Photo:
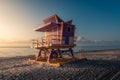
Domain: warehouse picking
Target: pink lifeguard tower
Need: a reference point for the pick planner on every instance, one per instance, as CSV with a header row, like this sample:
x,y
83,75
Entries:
x,y
59,38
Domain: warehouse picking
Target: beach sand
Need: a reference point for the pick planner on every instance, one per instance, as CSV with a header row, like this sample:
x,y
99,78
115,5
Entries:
x,y
101,65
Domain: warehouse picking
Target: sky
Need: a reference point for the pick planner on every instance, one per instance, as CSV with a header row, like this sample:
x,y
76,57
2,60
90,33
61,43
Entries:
x,y
95,20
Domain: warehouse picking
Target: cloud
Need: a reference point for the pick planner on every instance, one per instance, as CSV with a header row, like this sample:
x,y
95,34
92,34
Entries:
x,y
82,41
80,38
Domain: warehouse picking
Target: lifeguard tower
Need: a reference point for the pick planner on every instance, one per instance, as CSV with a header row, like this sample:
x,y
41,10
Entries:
x,y
59,38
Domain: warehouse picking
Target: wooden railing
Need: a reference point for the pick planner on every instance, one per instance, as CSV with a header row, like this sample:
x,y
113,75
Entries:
x,y
46,41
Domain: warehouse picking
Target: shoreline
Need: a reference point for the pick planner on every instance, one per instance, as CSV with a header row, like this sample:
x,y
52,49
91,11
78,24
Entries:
x,y
105,50
98,50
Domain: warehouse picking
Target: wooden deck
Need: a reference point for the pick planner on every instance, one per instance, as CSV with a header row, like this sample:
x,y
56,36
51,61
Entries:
x,y
56,62
55,47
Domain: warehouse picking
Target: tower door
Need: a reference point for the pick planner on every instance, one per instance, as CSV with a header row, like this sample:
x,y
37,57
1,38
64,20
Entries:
x,y
71,40
63,40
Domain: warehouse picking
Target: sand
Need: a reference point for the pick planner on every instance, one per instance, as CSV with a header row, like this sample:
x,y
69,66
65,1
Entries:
x,y
101,65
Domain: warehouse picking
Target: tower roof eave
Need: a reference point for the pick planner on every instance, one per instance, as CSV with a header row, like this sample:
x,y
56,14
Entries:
x,y
45,27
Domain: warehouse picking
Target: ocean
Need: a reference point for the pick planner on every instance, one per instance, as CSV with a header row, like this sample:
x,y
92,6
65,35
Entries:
x,y
24,51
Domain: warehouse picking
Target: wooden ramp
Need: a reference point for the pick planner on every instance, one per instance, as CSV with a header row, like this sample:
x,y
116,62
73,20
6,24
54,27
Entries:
x,y
56,62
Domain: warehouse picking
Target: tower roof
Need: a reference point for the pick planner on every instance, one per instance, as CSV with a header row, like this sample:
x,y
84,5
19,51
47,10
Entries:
x,y
53,18
51,22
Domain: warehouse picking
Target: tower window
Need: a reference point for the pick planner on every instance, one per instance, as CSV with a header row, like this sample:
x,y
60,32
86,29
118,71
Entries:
x,y
69,29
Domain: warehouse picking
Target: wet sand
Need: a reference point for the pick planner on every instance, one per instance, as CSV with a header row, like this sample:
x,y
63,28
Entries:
x,y
101,65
